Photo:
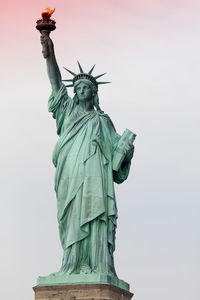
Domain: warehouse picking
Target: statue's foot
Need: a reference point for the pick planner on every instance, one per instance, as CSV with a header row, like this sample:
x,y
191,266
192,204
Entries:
x,y
104,272
85,269
56,273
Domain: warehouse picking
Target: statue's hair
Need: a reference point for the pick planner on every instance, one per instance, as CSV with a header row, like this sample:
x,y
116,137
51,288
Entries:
x,y
95,99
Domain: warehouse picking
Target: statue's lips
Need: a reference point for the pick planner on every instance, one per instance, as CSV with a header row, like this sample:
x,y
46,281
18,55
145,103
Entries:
x,y
83,97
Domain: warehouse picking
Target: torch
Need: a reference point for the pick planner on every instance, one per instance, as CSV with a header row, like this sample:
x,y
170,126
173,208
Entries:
x,y
45,26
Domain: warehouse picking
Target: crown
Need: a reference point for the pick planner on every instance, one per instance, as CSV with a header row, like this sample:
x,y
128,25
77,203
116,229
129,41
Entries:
x,y
83,75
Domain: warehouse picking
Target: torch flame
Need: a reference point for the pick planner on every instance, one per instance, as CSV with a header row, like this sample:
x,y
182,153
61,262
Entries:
x,y
47,12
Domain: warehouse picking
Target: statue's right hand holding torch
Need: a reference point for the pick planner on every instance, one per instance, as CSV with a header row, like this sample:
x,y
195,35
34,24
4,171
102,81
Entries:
x,y
45,26
47,45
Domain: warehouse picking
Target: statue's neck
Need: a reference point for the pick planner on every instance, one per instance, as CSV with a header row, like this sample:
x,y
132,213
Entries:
x,y
86,105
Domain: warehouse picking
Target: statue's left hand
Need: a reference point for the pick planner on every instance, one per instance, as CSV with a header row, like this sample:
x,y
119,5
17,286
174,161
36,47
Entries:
x,y
129,152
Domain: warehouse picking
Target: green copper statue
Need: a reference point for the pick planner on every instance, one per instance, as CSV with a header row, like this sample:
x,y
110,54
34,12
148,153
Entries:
x,y
89,157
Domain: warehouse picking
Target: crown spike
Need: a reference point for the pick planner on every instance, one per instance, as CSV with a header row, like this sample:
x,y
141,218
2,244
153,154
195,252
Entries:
x,y
96,77
69,80
103,82
80,68
69,85
90,72
70,71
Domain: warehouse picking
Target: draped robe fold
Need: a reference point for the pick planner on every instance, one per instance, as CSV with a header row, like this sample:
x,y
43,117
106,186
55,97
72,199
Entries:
x,y
84,185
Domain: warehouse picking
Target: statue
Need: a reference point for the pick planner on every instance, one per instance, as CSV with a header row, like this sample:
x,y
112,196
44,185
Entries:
x,y
89,157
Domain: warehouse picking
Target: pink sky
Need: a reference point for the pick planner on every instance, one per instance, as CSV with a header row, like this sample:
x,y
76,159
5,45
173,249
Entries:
x,y
151,53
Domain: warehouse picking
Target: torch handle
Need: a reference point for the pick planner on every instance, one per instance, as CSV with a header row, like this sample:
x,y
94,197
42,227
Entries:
x,y
45,48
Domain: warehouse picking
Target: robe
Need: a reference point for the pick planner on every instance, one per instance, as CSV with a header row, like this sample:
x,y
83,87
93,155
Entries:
x,y
84,185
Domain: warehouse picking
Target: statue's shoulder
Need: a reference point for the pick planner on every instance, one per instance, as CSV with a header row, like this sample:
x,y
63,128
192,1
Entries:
x,y
106,119
105,116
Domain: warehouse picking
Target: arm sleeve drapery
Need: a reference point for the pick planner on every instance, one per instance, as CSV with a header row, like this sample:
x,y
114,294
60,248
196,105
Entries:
x,y
58,104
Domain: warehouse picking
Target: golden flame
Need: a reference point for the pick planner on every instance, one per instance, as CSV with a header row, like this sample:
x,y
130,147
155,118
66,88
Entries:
x,y
47,12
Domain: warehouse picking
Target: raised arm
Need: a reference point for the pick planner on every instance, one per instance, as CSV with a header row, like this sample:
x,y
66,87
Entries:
x,y
52,66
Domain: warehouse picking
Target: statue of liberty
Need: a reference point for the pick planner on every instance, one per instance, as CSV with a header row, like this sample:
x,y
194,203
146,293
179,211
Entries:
x,y
89,157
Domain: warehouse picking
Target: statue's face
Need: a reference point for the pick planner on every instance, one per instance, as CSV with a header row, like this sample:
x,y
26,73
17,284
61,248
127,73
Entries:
x,y
84,92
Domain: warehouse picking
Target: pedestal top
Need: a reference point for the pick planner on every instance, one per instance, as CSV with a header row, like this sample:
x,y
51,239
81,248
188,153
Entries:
x,y
74,279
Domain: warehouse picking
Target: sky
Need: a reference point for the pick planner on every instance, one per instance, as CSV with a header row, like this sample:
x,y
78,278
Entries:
x,y
151,53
